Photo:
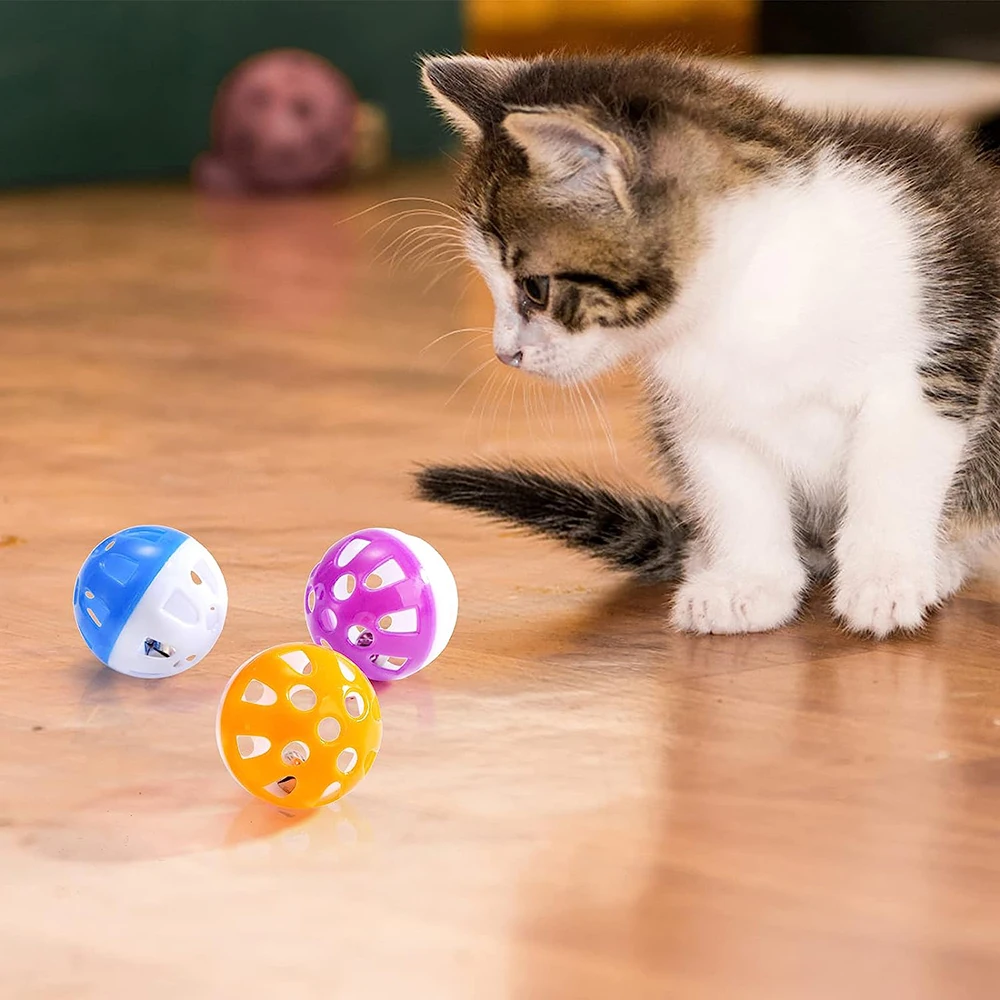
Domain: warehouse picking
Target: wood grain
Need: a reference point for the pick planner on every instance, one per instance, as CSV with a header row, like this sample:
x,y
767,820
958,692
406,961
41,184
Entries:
x,y
571,803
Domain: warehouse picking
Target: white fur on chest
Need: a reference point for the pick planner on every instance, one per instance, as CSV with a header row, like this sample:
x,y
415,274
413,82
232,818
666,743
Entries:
x,y
806,298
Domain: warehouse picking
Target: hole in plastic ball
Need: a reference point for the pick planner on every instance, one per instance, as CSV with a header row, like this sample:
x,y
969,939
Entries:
x,y
282,787
258,693
329,619
360,636
195,579
331,791
295,753
89,595
399,621
110,545
302,697
153,647
344,586
191,658
385,575
328,729
252,746
93,617
369,760
347,760
389,662
351,549
311,600
355,705
298,661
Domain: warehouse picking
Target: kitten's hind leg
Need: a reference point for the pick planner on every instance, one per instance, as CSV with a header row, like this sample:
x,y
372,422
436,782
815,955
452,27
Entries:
x,y
961,557
816,527
891,565
953,568
818,562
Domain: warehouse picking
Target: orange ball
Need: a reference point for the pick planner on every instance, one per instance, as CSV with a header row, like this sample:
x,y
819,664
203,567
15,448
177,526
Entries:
x,y
299,725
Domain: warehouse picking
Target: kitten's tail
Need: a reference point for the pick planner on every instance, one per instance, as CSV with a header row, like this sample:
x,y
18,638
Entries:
x,y
641,534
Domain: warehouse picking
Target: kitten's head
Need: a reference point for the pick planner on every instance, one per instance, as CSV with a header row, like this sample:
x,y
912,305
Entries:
x,y
581,194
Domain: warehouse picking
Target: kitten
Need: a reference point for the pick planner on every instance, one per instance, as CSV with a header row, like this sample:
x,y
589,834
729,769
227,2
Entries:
x,y
814,305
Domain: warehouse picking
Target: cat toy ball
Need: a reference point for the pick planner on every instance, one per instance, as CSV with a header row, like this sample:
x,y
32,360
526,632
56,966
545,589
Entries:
x,y
298,726
385,599
150,601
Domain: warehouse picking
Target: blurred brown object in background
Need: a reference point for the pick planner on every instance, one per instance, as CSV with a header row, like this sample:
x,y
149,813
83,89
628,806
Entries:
x,y
527,27
288,121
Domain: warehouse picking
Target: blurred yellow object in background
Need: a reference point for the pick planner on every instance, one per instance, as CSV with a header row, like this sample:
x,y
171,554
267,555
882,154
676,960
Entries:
x,y
524,27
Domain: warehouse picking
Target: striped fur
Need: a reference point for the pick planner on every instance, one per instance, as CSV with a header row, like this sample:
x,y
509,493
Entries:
x,y
643,535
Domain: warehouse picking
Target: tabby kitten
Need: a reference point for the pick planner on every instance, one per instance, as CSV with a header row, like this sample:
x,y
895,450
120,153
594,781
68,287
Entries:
x,y
814,303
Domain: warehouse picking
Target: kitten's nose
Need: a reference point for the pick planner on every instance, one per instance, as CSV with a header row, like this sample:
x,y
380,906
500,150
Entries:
x,y
514,360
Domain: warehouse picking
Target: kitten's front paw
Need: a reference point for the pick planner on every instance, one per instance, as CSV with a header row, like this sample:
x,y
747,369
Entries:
x,y
721,603
881,603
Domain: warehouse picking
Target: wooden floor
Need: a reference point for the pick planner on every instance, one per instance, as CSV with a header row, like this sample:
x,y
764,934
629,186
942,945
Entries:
x,y
571,803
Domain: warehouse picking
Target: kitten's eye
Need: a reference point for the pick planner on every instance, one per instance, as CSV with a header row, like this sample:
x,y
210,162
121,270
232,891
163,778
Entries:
x,y
535,289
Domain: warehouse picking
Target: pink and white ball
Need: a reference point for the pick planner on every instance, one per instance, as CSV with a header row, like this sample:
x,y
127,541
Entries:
x,y
385,600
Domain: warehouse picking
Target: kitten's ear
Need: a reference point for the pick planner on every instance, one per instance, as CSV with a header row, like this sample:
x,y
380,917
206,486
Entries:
x,y
582,161
466,89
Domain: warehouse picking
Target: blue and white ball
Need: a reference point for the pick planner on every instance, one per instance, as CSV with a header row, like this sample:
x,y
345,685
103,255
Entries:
x,y
150,601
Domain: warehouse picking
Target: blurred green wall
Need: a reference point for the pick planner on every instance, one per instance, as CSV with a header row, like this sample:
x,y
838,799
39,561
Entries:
x,y
104,89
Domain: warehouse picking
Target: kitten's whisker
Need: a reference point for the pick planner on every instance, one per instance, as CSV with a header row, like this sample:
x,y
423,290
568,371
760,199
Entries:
x,y
432,248
468,284
452,333
444,256
481,406
602,419
391,220
489,403
413,239
471,375
544,401
498,401
571,399
578,390
390,233
478,338
392,201
389,225
451,269
510,409
397,239
445,268
435,254
526,406
411,234
537,398
446,265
